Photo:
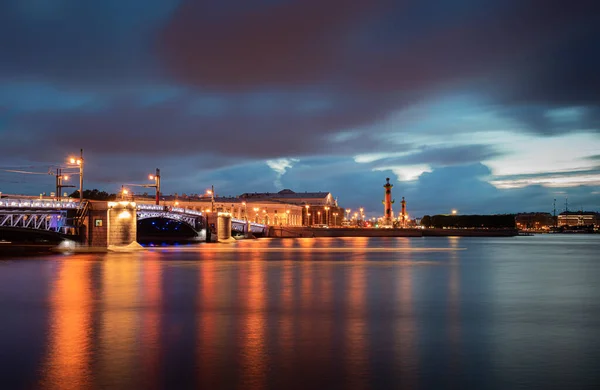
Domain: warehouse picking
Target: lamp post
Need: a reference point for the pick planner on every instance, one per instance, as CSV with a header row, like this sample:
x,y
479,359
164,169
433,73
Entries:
x,y
318,217
307,215
287,218
124,192
211,192
59,183
256,214
348,214
79,162
245,215
326,208
156,184
335,219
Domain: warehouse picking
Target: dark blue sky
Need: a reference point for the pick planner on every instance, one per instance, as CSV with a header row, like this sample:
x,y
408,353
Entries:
x,y
482,106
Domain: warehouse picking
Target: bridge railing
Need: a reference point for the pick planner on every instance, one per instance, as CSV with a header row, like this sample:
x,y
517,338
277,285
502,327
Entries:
x,y
154,207
235,220
37,204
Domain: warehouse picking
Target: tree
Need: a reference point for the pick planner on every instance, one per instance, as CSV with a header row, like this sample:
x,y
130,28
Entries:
x,y
94,194
426,221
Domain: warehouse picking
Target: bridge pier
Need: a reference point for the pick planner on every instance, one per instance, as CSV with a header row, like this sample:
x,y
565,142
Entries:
x,y
224,227
122,224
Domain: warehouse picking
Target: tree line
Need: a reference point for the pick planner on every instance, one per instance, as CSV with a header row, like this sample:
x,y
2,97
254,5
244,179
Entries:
x,y
502,221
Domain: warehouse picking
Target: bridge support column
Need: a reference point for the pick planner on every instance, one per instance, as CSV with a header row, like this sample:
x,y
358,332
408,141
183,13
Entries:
x,y
224,227
248,231
122,224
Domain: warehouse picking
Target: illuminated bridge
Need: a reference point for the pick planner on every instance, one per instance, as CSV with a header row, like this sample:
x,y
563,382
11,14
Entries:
x,y
92,221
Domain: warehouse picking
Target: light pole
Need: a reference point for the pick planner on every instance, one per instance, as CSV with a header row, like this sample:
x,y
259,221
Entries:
x,y
59,183
211,192
307,215
256,214
318,217
79,162
124,192
335,219
245,214
326,208
156,184
348,214
287,218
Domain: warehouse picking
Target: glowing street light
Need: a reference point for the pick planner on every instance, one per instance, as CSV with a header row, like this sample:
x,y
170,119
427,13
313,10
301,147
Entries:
x,y
79,163
211,192
326,215
348,213
307,215
454,211
156,184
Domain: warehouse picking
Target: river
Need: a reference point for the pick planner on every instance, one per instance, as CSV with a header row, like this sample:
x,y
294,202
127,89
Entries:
x,y
326,313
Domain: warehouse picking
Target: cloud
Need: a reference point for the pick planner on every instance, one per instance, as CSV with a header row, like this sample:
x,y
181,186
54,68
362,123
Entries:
x,y
280,166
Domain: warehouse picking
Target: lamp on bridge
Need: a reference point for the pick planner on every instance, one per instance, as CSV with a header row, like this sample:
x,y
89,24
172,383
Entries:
x,y
335,219
59,183
287,213
124,192
326,215
211,192
79,162
256,214
348,214
156,184
245,214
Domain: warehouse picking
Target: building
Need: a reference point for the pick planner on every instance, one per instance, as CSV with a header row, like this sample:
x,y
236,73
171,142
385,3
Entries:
x,y
534,221
579,218
267,211
319,208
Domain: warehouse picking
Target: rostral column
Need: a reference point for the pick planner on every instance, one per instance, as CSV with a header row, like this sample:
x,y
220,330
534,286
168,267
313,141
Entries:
x,y
387,204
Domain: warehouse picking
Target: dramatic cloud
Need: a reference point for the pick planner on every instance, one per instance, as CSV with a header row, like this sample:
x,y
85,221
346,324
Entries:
x,y
495,104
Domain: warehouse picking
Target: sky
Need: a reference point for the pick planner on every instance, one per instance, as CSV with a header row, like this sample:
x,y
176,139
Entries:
x,y
479,106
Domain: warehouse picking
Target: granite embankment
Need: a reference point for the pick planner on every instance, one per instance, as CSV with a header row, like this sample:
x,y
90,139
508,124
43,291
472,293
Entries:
x,y
290,232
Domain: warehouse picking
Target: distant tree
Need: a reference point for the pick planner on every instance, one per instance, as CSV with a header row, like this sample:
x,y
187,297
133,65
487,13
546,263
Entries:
x,y
94,194
426,221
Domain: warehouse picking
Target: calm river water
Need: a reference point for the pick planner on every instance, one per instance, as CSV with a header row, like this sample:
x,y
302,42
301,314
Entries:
x,y
327,313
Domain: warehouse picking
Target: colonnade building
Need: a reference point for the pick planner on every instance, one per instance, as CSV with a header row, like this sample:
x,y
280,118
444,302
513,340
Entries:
x,y
284,208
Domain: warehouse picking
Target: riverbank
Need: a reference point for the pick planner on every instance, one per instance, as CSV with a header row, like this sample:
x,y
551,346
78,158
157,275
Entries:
x,y
295,232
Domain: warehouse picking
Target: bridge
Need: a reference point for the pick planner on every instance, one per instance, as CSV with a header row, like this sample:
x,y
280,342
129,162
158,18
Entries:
x,y
99,223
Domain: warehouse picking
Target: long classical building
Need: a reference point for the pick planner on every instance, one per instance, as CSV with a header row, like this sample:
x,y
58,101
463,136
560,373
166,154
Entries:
x,y
284,208
318,208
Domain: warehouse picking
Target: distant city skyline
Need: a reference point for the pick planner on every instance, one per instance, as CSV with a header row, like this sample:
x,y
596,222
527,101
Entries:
x,y
480,107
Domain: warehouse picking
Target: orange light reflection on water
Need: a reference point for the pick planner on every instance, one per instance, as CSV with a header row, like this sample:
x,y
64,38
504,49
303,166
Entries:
x,y
254,356
67,365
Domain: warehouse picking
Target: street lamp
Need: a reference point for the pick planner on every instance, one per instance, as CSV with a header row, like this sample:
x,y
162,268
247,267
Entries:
x,y
59,183
211,192
335,219
256,214
287,213
156,184
326,215
79,162
348,214
454,212
124,192
319,217
307,215
245,216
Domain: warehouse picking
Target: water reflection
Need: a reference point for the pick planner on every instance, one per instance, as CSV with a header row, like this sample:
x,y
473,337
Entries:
x,y
356,354
254,356
67,365
118,324
304,318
